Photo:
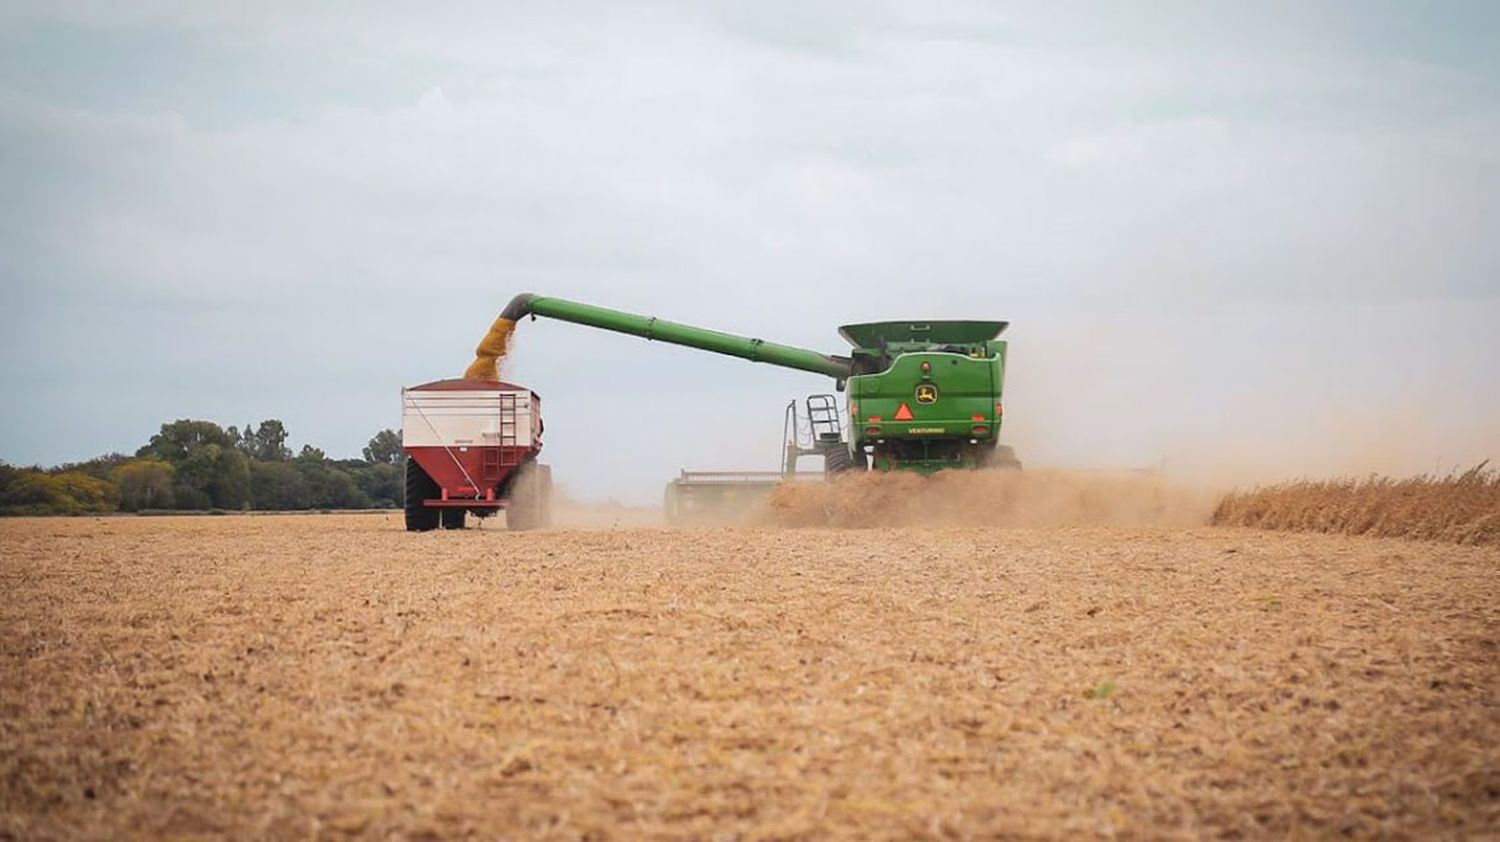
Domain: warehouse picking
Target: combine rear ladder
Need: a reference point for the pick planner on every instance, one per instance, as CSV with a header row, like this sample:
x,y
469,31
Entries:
x,y
824,418
828,434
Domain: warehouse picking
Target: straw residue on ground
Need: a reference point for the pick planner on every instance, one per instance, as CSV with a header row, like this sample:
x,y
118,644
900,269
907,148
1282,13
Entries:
x,y
1463,507
292,677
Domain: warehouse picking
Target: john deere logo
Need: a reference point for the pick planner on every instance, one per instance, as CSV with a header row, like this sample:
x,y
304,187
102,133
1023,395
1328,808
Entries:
x,y
926,393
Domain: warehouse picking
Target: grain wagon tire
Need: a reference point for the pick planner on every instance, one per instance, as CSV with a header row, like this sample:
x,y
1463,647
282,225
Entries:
x,y
452,518
525,509
544,496
419,487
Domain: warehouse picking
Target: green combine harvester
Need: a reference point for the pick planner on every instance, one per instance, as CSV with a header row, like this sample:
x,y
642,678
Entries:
x,y
923,396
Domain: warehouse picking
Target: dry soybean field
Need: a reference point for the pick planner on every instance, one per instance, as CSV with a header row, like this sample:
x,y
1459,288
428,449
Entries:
x,y
330,676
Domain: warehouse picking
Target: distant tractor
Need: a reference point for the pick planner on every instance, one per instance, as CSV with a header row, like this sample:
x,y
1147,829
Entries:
x,y
472,446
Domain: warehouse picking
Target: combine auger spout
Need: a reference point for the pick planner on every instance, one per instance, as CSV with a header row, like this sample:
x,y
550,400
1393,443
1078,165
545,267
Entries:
x,y
660,330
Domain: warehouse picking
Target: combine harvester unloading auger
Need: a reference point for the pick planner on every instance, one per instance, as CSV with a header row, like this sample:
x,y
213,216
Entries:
x,y
923,396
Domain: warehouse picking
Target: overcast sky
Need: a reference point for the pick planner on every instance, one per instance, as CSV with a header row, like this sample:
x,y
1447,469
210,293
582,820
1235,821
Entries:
x,y
1252,237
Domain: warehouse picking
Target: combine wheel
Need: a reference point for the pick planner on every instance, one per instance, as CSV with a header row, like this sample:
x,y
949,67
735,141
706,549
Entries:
x,y
419,487
837,459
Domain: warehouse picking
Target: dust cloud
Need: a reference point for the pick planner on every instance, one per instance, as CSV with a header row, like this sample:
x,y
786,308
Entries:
x,y
996,498
568,512
1252,395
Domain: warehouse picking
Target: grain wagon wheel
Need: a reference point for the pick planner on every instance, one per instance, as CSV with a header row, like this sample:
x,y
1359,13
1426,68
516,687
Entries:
x,y
452,518
530,496
419,487
544,495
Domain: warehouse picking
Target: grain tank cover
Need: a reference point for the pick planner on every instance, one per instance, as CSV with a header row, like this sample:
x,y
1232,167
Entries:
x,y
874,334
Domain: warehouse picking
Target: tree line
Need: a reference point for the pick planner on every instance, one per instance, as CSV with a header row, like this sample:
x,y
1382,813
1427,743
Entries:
x,y
198,465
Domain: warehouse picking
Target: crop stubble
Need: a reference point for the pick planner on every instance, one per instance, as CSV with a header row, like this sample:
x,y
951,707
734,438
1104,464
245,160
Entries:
x,y
286,676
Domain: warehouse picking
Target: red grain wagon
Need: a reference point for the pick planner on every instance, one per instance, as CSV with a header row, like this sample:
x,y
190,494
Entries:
x,y
471,447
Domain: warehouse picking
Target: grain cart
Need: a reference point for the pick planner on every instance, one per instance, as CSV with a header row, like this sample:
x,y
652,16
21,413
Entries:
x,y
471,446
922,395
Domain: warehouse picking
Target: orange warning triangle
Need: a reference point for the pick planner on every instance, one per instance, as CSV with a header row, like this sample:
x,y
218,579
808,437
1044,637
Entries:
x,y
904,413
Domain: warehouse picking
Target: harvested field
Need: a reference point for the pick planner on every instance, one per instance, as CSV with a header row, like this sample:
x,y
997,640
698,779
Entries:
x,y
1463,508
336,676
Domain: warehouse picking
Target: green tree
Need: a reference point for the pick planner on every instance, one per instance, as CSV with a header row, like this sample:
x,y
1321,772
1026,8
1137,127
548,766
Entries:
x,y
144,484
195,464
88,493
34,492
278,486
384,448
383,485
212,476
8,475
246,441
330,487
208,470
267,442
100,467
176,439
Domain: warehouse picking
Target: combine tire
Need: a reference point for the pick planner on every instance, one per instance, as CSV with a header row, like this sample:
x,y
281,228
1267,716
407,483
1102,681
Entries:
x,y
452,518
419,487
837,459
